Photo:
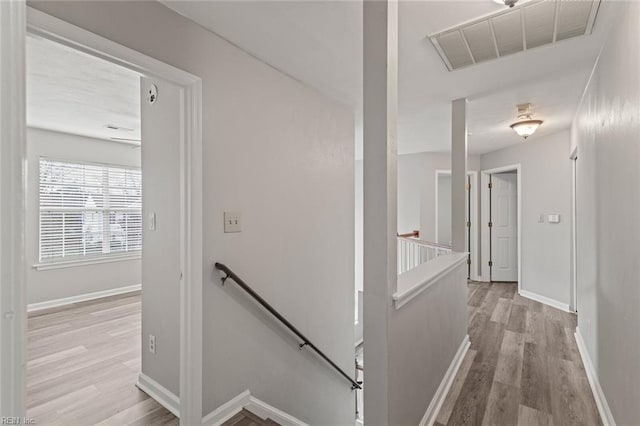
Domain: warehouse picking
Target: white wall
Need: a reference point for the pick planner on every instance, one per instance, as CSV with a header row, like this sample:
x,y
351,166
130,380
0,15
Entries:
x,y
546,189
46,285
283,156
425,335
416,190
607,132
444,209
160,129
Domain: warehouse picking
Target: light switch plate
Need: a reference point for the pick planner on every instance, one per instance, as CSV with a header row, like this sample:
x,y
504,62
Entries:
x,y
232,222
554,218
151,224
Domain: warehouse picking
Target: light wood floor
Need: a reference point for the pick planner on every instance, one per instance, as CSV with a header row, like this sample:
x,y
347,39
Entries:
x,y
247,418
82,366
523,367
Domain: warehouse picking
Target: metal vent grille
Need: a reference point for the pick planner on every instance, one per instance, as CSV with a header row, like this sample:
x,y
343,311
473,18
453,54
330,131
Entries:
x,y
525,26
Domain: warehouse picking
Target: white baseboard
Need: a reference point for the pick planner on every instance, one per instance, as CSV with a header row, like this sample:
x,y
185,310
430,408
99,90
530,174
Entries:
x,y
546,300
162,395
227,410
598,393
253,404
33,307
429,417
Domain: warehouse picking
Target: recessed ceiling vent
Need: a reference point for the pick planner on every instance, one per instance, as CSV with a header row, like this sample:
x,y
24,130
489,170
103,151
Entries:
x,y
531,24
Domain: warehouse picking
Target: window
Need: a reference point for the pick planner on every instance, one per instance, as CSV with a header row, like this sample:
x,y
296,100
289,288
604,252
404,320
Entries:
x,y
88,210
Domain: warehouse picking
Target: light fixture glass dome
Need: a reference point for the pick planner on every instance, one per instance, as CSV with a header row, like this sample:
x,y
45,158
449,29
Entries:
x,y
526,128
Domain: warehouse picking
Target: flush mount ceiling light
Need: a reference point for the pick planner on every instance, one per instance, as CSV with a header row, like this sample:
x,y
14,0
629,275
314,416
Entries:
x,y
509,3
526,126
116,127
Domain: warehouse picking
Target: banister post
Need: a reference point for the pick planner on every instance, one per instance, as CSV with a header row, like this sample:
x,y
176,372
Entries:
x,y
458,174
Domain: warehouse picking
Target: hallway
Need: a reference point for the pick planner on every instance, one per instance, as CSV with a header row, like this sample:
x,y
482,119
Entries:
x,y
523,366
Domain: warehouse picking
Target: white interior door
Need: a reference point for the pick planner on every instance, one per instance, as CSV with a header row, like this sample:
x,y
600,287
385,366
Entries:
x,y
504,230
161,113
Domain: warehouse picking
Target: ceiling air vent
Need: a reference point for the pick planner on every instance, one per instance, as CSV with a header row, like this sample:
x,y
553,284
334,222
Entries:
x,y
531,24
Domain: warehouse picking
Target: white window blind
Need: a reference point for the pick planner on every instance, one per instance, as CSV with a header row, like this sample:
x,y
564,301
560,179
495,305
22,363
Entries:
x,y
88,210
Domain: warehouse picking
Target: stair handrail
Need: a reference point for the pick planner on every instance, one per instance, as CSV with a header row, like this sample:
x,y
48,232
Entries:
x,y
425,242
305,341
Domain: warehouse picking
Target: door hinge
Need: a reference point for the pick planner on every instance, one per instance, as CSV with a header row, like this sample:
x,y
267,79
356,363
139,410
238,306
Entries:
x,y
490,263
490,224
490,185
468,186
468,224
469,261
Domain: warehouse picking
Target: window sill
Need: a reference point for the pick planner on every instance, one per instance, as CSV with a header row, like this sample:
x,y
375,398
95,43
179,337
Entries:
x,y
84,262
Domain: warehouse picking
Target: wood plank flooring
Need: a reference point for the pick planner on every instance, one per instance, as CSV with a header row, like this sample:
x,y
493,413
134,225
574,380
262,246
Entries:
x,y
82,365
523,367
247,418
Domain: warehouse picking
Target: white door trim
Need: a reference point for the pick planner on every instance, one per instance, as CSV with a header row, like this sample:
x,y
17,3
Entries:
x,y
13,304
484,176
573,300
474,243
191,198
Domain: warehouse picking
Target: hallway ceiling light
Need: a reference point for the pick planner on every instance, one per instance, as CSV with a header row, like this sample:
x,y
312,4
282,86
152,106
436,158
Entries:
x,y
526,126
509,3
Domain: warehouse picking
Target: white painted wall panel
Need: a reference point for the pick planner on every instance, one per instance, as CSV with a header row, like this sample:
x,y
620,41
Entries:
x,y
607,133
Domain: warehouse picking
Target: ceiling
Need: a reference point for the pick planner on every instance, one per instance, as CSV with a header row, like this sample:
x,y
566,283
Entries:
x,y
72,92
320,43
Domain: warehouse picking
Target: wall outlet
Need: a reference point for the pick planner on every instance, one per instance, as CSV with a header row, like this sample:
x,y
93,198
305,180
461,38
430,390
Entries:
x,y
554,218
541,218
152,343
232,222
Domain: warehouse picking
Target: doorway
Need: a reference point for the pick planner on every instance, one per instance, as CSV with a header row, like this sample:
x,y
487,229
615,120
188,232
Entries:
x,y
83,234
443,217
183,132
503,227
502,220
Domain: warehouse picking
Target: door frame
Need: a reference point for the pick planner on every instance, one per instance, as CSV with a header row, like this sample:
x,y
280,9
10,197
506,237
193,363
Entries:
x,y
485,235
191,225
573,299
474,243
12,207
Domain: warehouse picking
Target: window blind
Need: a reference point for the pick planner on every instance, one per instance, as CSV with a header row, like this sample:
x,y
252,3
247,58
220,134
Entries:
x,y
88,210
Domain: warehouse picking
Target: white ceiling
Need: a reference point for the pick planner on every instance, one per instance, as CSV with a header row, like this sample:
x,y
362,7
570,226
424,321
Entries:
x,y
320,43
72,92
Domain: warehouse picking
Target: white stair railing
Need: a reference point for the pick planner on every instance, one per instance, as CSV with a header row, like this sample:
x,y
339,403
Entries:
x,y
413,252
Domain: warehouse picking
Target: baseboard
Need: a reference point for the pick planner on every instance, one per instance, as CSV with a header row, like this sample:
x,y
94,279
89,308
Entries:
x,y
162,395
431,414
596,389
266,411
33,307
253,404
546,300
227,410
